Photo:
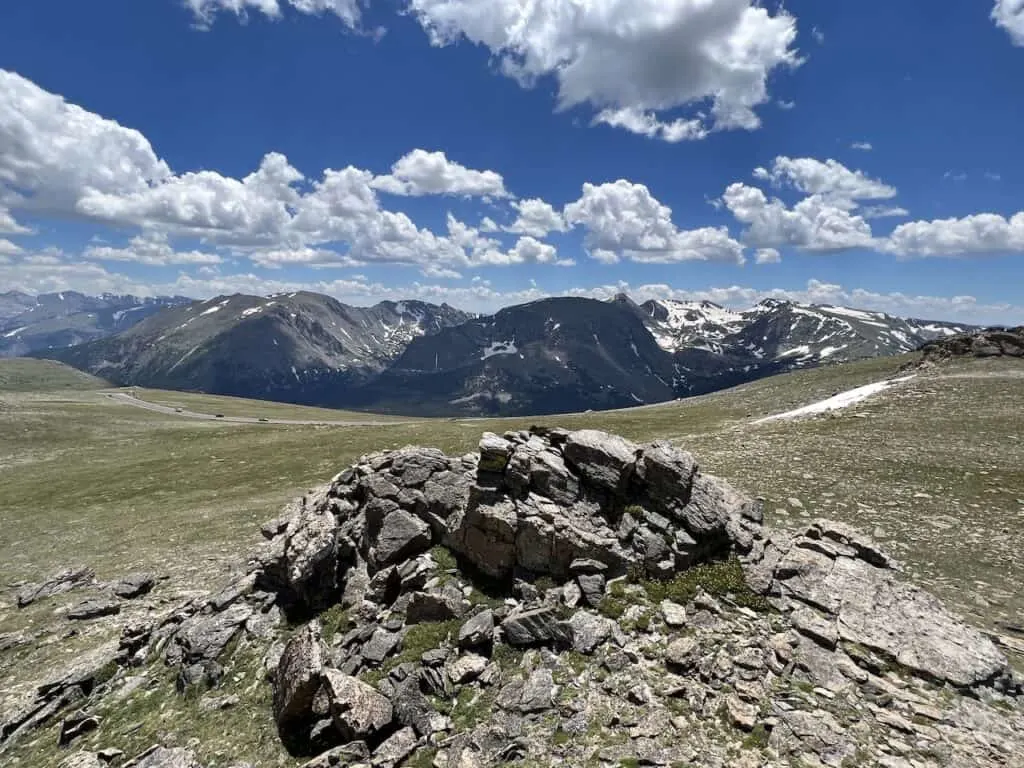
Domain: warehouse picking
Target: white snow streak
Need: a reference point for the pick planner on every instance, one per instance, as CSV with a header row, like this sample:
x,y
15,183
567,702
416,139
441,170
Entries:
x,y
499,348
838,402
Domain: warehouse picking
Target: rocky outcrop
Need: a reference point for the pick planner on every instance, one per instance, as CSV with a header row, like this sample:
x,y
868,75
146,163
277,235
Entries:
x,y
990,342
593,512
612,605
532,502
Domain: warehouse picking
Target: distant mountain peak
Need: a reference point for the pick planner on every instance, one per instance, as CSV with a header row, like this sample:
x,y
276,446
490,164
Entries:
x,y
771,303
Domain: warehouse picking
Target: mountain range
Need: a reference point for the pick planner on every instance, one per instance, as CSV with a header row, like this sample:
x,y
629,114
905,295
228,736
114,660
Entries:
x,y
54,320
298,347
548,356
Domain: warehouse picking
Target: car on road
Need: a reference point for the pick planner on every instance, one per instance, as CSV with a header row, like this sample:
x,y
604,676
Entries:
x,y
218,416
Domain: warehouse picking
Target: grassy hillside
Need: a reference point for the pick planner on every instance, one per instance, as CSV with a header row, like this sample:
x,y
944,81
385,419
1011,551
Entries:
x,y
239,406
19,374
934,467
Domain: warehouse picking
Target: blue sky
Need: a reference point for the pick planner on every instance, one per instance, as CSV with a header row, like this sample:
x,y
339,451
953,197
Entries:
x,y
489,152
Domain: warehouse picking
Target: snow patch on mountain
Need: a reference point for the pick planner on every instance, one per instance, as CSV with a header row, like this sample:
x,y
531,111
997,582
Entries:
x,y
500,348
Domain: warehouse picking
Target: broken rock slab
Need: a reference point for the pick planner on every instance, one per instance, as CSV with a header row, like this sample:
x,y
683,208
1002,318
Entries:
x,y
841,587
94,608
359,711
134,585
298,676
64,581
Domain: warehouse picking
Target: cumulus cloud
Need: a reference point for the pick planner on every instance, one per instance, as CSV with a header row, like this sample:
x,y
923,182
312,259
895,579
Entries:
x,y
536,218
978,234
8,226
151,249
624,220
7,248
631,59
317,258
863,146
529,250
206,203
767,256
52,151
61,159
813,224
1009,14
830,217
830,179
206,10
648,124
432,173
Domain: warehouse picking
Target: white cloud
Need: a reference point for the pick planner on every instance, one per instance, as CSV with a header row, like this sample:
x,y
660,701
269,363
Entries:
x,y
529,250
830,179
647,124
151,249
206,203
813,224
7,248
206,10
767,256
883,212
641,56
977,234
483,250
51,151
306,257
50,272
536,218
623,219
480,250
786,105
8,226
1009,14
863,146
440,273
60,159
432,173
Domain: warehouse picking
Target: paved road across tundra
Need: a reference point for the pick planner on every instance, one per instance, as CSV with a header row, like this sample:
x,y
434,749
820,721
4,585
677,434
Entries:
x,y
127,399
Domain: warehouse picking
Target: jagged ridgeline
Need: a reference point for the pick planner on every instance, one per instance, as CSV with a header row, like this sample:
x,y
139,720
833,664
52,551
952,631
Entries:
x,y
571,598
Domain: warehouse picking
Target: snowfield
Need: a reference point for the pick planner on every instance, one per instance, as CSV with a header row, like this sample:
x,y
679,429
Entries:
x,y
837,402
